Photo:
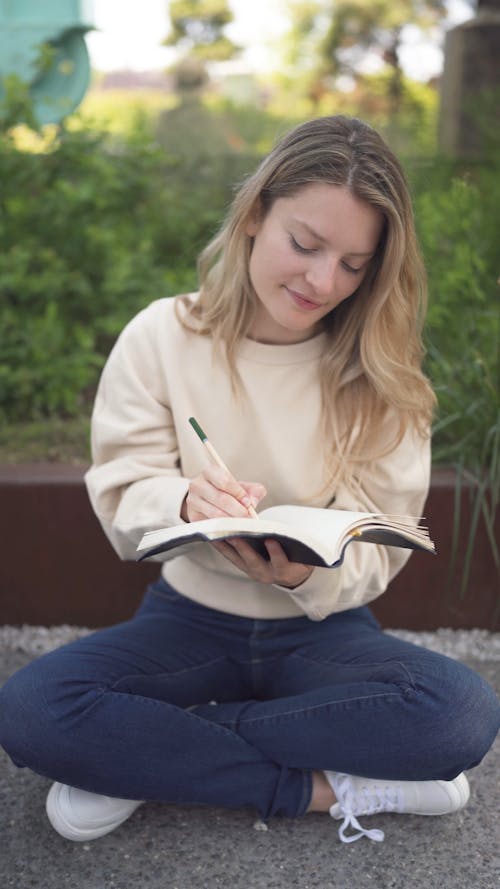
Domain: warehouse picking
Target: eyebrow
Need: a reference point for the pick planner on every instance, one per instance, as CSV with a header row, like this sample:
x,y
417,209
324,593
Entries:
x,y
322,240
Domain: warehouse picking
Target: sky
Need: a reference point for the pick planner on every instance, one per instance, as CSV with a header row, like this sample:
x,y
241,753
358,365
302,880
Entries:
x,y
130,32
129,35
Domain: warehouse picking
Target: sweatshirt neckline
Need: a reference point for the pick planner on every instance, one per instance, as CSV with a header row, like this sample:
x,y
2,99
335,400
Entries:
x,y
291,353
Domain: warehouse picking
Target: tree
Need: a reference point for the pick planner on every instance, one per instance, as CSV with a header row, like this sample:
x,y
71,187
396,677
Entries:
x,y
340,34
198,28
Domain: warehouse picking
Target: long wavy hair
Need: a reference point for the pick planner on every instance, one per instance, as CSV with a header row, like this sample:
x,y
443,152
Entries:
x,y
371,370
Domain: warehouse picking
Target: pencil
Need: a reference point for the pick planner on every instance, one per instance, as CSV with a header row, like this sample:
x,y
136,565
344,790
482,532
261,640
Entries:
x,y
215,456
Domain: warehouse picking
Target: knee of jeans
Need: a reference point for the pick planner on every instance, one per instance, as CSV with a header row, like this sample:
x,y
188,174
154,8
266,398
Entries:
x,y
480,719
464,718
15,723
30,724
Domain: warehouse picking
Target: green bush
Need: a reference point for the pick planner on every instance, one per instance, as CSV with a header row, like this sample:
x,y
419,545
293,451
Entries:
x,y
41,372
457,226
86,240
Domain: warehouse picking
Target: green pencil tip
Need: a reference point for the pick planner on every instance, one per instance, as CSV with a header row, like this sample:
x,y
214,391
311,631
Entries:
x,y
197,428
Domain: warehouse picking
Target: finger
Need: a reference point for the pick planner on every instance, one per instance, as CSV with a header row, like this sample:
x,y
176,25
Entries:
x,y
217,506
228,551
255,490
285,572
277,555
231,489
244,557
215,493
256,565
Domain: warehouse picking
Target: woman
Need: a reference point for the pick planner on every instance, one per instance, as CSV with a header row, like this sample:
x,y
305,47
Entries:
x,y
246,681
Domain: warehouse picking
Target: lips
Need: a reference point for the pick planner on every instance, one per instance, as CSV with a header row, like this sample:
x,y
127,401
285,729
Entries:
x,y
302,301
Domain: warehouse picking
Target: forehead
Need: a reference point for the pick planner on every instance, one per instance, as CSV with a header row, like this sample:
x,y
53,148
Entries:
x,y
332,212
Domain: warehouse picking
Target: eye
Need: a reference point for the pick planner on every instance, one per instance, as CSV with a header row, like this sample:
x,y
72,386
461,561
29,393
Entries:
x,y
350,269
298,247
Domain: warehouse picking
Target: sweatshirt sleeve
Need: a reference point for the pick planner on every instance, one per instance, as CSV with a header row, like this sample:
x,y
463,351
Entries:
x,y
397,484
135,482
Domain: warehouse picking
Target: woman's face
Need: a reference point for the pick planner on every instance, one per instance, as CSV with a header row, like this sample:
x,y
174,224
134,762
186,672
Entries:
x,y
310,252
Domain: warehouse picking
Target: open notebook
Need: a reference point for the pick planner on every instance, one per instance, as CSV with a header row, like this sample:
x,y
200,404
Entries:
x,y
308,535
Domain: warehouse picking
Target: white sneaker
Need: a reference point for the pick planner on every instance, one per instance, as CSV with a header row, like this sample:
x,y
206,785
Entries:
x,y
80,816
368,796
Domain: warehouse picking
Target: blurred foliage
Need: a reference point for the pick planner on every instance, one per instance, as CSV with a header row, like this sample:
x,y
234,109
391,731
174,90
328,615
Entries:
x,y
458,221
56,440
15,103
413,131
328,38
87,239
119,111
197,27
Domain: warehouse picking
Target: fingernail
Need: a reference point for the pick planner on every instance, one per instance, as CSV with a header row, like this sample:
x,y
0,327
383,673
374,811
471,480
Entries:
x,y
246,501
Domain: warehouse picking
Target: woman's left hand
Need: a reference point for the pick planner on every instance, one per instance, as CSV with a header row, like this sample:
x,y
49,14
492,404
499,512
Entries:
x,y
277,570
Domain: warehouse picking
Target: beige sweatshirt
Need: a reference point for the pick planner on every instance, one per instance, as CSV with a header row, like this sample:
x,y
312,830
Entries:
x,y
144,453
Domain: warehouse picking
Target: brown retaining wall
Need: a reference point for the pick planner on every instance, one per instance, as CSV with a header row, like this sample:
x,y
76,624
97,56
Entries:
x,y
57,566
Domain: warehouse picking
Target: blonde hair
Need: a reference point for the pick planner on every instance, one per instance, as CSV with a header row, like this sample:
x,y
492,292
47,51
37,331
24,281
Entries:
x,y
373,367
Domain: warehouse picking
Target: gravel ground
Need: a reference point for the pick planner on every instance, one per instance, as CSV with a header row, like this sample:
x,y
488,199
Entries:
x,y
480,645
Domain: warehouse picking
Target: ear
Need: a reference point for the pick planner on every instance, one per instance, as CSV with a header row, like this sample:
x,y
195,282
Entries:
x,y
254,221
252,227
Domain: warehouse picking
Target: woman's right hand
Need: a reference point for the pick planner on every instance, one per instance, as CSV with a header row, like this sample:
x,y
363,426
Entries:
x,y
214,493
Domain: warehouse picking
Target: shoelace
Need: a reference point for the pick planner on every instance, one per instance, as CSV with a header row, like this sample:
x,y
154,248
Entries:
x,y
363,801
352,822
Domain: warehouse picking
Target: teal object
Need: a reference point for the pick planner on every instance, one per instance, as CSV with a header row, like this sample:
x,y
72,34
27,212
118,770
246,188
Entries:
x,y
28,25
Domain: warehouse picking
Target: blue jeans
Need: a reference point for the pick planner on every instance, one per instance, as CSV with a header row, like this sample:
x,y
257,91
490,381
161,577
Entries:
x,y
190,705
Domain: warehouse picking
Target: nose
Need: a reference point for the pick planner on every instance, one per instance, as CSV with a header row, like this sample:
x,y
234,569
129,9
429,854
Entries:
x,y
321,275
